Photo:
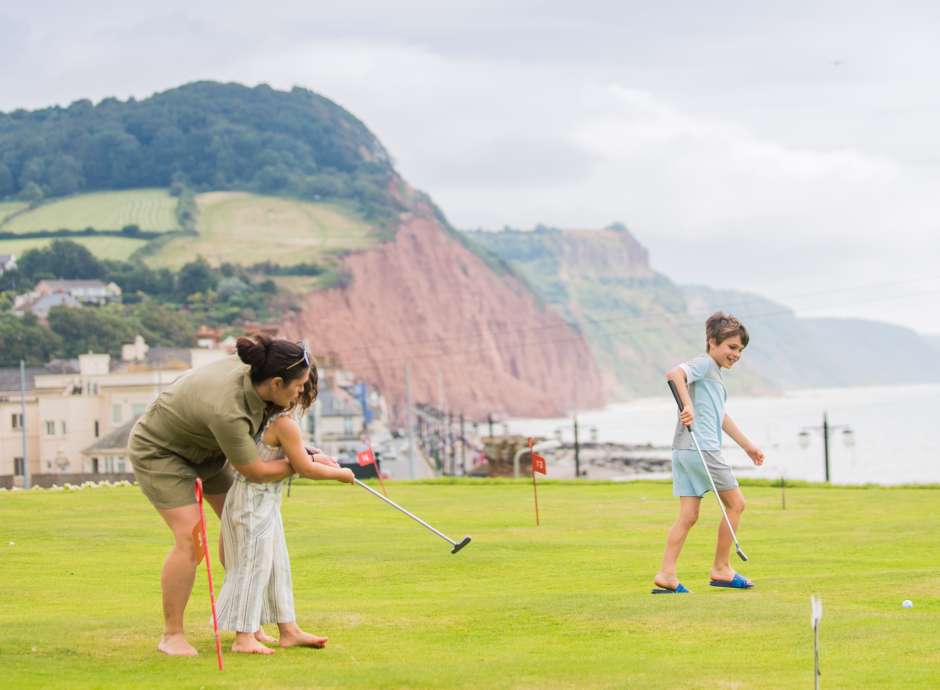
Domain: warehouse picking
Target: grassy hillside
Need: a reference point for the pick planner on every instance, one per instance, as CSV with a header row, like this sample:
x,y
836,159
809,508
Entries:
x,y
564,605
119,248
149,209
239,227
8,208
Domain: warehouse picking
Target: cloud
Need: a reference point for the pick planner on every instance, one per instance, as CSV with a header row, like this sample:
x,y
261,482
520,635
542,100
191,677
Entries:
x,y
735,151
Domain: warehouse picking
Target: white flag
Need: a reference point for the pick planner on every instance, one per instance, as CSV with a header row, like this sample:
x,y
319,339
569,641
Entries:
x,y
816,605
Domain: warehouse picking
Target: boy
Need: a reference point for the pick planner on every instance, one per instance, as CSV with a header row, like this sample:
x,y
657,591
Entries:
x,y
703,398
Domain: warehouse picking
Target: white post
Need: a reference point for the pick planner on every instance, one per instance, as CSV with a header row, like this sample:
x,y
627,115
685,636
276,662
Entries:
x,y
23,423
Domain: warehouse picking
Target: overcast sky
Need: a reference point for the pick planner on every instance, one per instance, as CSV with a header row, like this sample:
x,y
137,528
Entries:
x,y
781,148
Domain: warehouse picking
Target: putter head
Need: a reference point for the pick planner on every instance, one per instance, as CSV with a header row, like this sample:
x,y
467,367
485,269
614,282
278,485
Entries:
x,y
740,552
459,545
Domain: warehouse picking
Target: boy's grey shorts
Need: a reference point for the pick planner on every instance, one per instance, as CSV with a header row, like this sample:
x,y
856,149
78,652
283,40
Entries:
x,y
688,474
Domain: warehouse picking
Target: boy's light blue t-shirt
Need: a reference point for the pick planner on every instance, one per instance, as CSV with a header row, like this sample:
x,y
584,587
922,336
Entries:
x,y
708,400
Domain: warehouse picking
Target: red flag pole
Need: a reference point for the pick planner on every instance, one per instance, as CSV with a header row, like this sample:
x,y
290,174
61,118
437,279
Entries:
x,y
378,473
371,460
535,492
205,548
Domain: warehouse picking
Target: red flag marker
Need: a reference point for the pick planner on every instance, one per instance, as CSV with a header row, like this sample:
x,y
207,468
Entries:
x,y
367,457
205,553
538,465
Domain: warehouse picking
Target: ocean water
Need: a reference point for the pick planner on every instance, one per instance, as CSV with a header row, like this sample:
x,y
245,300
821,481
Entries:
x,y
895,431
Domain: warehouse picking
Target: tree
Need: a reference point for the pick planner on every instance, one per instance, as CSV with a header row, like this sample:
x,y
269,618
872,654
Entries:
x,y
7,183
61,259
164,325
31,193
25,338
196,276
65,176
90,329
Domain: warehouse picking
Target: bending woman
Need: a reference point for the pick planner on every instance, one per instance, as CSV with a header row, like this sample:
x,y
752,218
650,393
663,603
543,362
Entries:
x,y
204,425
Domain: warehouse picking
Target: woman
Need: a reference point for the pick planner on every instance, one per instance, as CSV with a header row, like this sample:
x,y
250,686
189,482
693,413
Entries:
x,y
204,425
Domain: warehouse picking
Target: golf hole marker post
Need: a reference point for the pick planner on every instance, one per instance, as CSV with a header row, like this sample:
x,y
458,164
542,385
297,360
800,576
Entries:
x,y
367,457
457,545
816,608
199,537
721,504
537,463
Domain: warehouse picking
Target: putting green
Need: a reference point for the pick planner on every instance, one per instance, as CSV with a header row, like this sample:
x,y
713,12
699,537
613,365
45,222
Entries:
x,y
564,605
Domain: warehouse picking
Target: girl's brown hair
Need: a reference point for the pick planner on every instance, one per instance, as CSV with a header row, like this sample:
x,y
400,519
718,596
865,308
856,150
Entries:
x,y
721,326
269,358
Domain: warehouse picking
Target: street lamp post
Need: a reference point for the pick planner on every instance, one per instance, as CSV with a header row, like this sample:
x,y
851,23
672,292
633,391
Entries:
x,y
848,438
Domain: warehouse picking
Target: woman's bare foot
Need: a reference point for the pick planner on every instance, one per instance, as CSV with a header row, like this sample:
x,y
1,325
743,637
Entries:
x,y
245,643
292,636
263,637
176,645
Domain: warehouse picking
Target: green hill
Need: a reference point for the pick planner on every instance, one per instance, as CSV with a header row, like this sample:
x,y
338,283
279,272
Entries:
x,y
205,135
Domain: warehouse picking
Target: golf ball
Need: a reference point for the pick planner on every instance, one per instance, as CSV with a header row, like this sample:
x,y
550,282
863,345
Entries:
x,y
907,603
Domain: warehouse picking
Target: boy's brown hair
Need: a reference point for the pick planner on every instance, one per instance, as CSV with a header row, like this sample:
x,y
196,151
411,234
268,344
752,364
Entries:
x,y
721,326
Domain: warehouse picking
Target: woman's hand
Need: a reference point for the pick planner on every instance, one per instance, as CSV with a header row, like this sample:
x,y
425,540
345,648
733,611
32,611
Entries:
x,y
324,459
346,475
687,416
756,455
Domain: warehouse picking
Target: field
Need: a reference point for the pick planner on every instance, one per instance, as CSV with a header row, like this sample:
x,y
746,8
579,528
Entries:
x,y
564,605
150,209
8,208
118,248
247,228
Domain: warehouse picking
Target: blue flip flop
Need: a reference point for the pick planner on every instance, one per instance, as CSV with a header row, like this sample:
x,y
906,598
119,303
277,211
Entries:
x,y
737,582
680,589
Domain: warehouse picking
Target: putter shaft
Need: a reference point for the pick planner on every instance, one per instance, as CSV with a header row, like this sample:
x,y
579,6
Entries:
x,y
415,517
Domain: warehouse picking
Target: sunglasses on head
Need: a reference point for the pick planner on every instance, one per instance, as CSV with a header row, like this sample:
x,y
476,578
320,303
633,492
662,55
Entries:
x,y
305,359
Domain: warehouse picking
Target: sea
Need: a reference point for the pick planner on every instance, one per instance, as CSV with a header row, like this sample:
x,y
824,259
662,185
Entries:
x,y
878,434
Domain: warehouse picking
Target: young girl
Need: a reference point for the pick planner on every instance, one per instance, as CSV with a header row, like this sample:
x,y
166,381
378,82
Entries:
x,y
257,588
702,392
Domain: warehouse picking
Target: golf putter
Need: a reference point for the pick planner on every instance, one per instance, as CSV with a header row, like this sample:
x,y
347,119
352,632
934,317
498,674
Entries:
x,y
457,545
737,546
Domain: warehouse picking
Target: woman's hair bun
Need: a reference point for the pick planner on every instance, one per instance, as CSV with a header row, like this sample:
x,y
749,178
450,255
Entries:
x,y
253,350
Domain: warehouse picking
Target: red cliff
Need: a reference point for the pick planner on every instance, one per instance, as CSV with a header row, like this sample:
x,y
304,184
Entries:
x,y
474,340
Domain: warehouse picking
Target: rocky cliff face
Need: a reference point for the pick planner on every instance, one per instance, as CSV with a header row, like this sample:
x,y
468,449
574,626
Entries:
x,y
475,341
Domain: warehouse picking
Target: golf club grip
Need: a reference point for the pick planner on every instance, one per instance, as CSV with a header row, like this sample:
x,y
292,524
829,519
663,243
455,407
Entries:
x,y
675,394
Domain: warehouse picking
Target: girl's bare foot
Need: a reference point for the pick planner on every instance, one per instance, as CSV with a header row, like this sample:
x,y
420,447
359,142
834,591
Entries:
x,y
245,643
292,636
176,645
263,637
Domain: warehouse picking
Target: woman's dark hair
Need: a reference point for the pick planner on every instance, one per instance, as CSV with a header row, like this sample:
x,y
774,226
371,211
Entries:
x,y
269,358
721,326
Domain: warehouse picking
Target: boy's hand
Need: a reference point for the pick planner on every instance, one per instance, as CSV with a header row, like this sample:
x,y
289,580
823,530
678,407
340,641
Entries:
x,y
346,475
756,455
687,416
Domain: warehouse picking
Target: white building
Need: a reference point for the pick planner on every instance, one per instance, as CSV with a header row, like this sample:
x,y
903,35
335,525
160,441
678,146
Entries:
x,y
72,407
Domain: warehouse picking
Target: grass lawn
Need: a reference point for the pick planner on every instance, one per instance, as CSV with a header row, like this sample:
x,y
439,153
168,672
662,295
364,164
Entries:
x,y
150,209
565,605
118,248
246,228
